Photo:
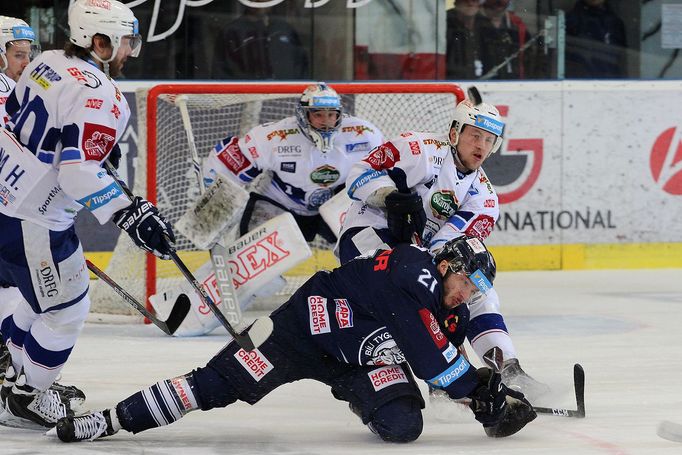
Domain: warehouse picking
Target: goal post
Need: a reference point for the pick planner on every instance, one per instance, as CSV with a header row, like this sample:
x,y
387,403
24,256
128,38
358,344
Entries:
x,y
163,170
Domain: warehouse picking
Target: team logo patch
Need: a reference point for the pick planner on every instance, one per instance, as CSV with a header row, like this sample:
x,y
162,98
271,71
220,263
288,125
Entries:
x,y
450,353
379,348
325,175
432,327
387,376
450,375
414,147
232,157
288,166
254,362
357,147
383,157
44,76
319,316
344,314
358,129
282,134
98,140
481,227
444,204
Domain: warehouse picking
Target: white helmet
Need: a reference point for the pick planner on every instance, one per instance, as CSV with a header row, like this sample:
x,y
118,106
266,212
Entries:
x,y
106,17
484,116
13,29
316,97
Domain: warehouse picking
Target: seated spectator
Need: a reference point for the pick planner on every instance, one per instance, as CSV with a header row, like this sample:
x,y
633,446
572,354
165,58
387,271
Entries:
x,y
595,41
464,59
509,35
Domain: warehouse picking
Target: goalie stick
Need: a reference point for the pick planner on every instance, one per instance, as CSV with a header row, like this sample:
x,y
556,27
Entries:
x,y
261,329
217,253
670,430
493,359
175,317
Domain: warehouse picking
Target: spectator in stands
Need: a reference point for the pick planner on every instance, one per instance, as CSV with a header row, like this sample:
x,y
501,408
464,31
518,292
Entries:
x,y
595,41
258,45
508,35
464,59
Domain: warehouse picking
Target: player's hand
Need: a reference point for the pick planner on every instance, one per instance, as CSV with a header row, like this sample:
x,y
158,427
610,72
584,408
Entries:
x,y
146,227
405,215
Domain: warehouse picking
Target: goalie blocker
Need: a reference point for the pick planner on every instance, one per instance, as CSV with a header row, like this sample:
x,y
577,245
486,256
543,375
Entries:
x,y
256,260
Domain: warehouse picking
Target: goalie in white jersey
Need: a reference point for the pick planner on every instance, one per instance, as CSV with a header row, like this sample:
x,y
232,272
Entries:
x,y
307,155
66,115
433,185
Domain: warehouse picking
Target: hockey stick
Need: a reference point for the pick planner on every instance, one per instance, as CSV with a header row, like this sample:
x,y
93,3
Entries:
x,y
175,317
579,385
474,95
670,430
494,360
217,253
244,340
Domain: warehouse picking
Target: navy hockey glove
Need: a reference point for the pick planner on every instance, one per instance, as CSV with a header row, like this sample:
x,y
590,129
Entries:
x,y
115,156
146,227
501,410
405,215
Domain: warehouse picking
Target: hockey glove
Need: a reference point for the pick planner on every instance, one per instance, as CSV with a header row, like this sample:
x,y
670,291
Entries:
x,y
146,227
114,157
502,411
405,215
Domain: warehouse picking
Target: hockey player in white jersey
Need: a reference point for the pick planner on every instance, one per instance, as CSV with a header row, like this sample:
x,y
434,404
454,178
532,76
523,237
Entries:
x,y
307,155
433,185
66,115
17,48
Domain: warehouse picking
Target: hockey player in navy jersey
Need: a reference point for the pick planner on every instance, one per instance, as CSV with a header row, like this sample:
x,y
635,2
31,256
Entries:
x,y
355,329
433,185
65,117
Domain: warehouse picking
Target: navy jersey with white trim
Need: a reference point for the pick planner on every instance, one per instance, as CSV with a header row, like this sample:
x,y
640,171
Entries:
x,y
385,309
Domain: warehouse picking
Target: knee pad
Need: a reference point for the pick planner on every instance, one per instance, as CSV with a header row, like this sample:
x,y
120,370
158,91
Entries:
x,y
399,420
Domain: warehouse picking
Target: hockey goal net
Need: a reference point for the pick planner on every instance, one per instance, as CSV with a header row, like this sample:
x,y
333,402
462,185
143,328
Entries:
x,y
164,174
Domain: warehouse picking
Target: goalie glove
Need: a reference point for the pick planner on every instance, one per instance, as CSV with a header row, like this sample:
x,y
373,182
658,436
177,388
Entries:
x,y
146,227
501,410
405,215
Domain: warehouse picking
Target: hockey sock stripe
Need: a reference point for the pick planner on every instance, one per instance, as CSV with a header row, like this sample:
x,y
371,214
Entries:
x,y
154,407
164,404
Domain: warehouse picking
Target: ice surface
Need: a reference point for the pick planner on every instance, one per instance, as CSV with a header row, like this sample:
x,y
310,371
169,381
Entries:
x,y
622,326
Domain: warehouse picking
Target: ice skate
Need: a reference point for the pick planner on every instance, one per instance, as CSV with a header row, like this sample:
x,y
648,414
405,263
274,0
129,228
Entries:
x,y
515,378
27,407
88,427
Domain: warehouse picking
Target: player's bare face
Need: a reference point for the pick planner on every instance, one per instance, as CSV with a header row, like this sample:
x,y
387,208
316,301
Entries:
x,y
18,57
323,119
457,287
474,146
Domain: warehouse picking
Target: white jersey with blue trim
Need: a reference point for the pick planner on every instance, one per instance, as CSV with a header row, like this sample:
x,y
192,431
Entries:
x,y
303,177
455,203
6,87
68,115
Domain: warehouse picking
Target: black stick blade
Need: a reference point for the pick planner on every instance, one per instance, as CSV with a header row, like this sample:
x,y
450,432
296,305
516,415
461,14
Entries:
x,y
474,95
178,313
579,384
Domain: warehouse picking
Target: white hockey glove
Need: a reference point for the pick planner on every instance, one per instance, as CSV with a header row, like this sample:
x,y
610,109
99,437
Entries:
x,y
146,227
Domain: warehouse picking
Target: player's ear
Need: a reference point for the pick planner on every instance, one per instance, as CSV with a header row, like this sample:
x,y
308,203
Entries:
x,y
453,136
442,267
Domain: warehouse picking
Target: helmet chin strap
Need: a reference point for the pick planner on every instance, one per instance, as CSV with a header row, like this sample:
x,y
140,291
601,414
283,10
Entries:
x,y
105,63
458,162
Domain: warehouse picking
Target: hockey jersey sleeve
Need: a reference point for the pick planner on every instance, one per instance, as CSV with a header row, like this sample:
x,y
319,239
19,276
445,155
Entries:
x,y
475,216
228,158
93,128
393,164
410,312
